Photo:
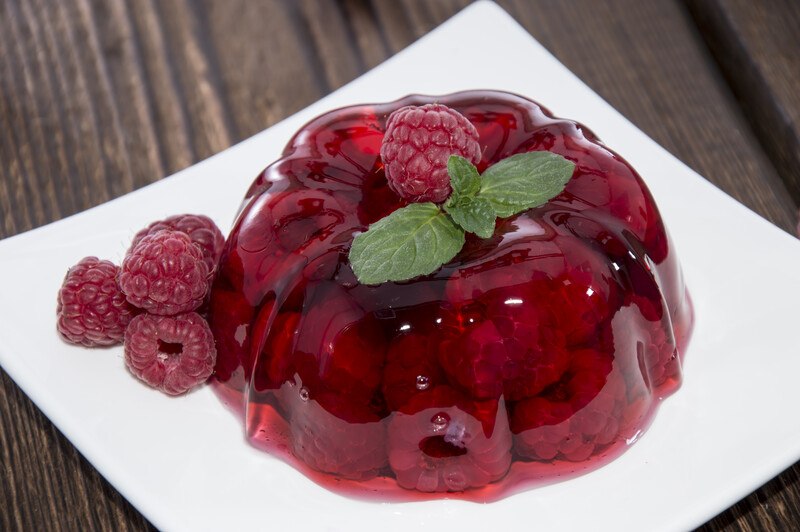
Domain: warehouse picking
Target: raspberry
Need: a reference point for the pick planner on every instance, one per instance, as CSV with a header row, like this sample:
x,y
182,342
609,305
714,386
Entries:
x,y
165,274
338,349
569,284
441,442
412,366
660,356
92,310
645,341
508,346
332,435
583,309
575,416
229,319
276,364
200,228
518,317
417,145
304,217
171,353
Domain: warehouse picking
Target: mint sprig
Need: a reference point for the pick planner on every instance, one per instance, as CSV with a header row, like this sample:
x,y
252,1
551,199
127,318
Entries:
x,y
417,239
464,177
473,214
410,242
524,181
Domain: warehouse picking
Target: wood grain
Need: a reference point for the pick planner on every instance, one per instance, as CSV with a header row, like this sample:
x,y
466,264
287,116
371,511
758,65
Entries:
x,y
98,98
757,46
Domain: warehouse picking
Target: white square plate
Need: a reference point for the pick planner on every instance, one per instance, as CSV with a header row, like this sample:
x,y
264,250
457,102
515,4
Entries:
x,y
184,462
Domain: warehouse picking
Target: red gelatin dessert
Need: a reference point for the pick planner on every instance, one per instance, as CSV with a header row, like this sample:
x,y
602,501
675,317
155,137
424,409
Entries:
x,y
533,355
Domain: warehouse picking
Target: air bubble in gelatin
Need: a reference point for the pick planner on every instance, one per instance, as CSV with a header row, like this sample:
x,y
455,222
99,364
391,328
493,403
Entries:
x,y
440,421
423,382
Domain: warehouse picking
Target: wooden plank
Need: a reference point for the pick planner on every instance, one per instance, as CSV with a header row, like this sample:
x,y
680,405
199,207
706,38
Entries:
x,y
100,97
648,61
757,46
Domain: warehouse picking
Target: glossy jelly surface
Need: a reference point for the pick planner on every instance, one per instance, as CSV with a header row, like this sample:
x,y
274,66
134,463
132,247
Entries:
x,y
534,355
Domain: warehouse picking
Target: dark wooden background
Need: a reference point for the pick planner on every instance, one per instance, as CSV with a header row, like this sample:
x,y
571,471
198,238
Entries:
x,y
98,98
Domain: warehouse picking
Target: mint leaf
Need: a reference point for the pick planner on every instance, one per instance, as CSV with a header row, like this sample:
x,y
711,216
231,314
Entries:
x,y
464,177
525,180
417,239
410,242
475,215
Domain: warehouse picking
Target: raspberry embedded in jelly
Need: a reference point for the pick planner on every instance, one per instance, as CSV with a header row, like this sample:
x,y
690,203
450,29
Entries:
x,y
440,441
534,355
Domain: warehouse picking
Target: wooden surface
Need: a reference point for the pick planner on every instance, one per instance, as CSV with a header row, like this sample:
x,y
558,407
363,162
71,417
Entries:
x,y
98,98
762,68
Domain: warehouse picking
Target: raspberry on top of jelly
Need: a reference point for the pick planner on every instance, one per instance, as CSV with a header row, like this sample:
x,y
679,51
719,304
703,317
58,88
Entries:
x,y
533,355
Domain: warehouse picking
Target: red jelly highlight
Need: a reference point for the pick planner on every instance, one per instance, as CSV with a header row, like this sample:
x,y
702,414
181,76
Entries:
x,y
535,355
